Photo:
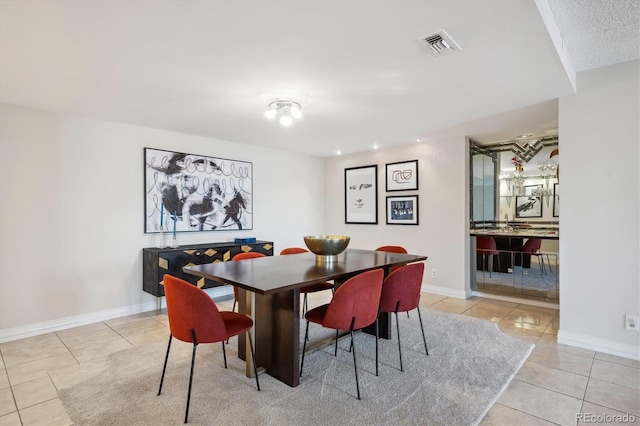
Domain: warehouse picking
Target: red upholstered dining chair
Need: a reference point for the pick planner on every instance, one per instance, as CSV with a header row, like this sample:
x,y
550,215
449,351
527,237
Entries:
x,y
486,245
313,288
394,249
243,256
195,318
532,247
354,306
401,293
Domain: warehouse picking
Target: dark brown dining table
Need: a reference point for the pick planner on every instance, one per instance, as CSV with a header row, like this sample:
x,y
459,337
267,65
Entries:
x,y
270,293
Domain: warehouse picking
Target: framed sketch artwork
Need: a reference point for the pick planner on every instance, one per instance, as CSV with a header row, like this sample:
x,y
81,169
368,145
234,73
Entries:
x,y
402,210
190,193
529,205
361,195
402,176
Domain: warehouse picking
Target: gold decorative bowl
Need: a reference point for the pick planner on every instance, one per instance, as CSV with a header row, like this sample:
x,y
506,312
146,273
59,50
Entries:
x,y
326,247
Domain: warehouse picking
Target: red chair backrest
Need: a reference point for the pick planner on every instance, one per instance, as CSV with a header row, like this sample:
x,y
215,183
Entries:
x,y
402,285
358,297
532,245
393,249
189,307
486,244
294,250
248,255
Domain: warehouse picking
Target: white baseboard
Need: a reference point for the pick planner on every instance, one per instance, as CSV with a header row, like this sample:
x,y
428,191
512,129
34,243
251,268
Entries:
x,y
15,333
37,329
597,344
446,291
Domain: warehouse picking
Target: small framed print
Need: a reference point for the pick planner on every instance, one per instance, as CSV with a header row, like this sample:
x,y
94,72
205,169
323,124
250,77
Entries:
x,y
402,176
402,210
361,195
556,200
529,205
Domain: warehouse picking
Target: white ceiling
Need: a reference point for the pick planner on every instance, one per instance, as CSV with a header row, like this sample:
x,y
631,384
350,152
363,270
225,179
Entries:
x,y
210,68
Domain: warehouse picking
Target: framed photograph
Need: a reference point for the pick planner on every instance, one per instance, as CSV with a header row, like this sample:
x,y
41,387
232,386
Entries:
x,y
556,200
529,205
191,193
402,176
361,195
402,210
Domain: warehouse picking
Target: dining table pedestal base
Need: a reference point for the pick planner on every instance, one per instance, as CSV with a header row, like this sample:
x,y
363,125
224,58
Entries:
x,y
276,333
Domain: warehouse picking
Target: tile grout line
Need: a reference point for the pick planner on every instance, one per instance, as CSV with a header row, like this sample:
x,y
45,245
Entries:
x,y
528,414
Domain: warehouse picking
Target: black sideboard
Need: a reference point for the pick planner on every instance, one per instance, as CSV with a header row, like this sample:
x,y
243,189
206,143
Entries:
x,y
159,261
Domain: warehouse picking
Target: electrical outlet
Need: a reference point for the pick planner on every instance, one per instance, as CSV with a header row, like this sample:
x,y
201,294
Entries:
x,y
631,322
434,273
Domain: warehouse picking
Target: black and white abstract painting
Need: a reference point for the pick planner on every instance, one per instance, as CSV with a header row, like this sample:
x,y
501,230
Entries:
x,y
190,193
529,205
402,176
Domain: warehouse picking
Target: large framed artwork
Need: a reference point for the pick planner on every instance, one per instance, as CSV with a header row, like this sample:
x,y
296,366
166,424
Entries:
x,y
556,200
402,176
361,195
190,193
529,205
402,210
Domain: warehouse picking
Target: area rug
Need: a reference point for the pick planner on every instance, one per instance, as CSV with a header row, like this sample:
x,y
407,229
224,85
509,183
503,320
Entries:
x,y
469,365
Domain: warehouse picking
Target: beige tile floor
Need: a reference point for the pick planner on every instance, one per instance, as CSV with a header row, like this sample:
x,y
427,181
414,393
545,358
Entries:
x,y
554,384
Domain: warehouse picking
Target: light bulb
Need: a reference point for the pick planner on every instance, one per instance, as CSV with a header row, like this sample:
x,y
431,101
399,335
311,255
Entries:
x,y
295,111
270,114
286,120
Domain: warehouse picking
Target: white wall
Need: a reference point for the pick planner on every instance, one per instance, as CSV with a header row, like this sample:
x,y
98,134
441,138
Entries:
x,y
600,219
443,187
71,213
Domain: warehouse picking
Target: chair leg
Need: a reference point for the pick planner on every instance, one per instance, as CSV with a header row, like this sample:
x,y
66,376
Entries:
x,y
253,358
377,337
304,347
424,339
193,361
541,266
166,358
399,345
335,351
304,305
224,354
355,364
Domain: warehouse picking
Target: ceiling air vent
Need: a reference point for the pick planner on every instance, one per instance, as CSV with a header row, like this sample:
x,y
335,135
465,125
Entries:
x,y
439,43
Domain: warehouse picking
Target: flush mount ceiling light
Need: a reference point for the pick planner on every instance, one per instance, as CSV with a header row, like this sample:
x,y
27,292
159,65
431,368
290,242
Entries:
x,y
286,109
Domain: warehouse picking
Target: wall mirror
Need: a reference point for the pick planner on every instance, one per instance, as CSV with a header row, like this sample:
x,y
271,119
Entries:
x,y
483,186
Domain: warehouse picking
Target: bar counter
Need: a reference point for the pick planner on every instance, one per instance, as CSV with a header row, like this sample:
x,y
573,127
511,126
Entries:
x,y
509,232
